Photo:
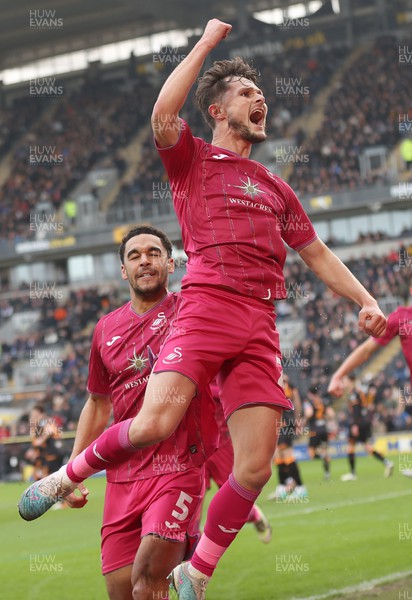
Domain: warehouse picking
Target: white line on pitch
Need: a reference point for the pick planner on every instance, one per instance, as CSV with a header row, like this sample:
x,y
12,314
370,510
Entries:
x,y
342,504
360,587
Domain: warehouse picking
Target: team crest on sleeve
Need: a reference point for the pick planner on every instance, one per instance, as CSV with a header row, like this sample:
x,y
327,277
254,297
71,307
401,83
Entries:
x,y
173,357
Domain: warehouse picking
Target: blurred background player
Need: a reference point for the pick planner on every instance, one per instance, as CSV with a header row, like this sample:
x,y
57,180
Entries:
x,y
360,428
153,498
220,465
45,454
317,413
399,323
290,484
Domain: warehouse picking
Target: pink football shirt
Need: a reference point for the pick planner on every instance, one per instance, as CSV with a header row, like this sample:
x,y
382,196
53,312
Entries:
x,y
400,323
123,347
234,215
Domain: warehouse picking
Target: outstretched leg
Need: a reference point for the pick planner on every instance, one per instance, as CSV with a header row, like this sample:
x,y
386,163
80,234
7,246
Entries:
x,y
167,398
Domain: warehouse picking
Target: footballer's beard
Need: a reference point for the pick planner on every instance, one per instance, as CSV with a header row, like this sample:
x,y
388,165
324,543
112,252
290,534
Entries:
x,y
246,133
147,293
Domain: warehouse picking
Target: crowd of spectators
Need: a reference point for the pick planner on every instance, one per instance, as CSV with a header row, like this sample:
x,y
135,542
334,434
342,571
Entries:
x,y
86,127
92,123
331,334
369,238
16,120
291,82
363,111
63,326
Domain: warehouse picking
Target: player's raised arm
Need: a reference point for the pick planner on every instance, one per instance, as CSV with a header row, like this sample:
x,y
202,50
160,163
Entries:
x,y
356,358
331,270
172,96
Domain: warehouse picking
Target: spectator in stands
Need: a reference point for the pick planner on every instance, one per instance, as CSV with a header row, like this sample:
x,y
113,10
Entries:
x,y
7,367
4,430
70,210
405,149
45,453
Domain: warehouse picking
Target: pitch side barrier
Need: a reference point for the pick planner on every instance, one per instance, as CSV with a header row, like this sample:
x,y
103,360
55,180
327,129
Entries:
x,y
399,443
14,467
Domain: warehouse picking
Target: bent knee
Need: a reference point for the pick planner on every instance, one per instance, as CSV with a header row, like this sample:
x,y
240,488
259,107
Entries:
x,y
254,478
150,431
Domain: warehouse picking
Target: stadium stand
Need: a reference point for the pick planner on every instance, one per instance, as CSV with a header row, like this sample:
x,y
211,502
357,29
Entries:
x,y
362,112
331,333
88,126
101,112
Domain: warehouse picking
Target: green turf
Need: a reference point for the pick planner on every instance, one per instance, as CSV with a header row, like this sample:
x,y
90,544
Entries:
x,y
347,533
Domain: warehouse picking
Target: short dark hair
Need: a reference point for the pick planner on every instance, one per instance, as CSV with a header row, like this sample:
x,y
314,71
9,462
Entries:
x,y
212,85
166,243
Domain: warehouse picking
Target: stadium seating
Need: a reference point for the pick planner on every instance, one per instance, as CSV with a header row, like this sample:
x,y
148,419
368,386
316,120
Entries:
x,y
331,333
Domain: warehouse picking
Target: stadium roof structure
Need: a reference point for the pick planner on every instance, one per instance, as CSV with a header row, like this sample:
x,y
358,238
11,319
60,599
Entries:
x,y
30,31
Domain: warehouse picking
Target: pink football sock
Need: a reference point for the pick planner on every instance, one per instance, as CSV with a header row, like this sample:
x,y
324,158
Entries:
x,y
253,515
110,448
228,512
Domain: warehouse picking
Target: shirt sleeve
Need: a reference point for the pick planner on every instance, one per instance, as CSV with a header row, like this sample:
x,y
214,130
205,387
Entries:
x,y
98,380
392,329
178,159
297,228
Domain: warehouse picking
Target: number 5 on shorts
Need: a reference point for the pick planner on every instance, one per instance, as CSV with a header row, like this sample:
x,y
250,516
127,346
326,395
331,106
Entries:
x,y
181,503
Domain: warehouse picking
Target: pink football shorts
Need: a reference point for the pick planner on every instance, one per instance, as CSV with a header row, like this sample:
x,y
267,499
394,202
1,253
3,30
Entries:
x,y
167,506
218,331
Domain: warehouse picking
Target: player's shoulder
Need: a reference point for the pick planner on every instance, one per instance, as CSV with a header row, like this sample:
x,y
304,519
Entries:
x,y
401,312
278,181
395,312
185,141
157,317
398,316
186,132
282,188
171,303
114,316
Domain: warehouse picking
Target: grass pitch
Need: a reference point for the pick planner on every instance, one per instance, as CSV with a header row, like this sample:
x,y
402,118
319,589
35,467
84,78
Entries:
x,y
346,536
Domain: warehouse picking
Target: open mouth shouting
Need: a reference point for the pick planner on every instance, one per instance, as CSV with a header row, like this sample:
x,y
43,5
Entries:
x,y
258,117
